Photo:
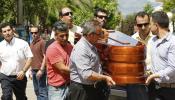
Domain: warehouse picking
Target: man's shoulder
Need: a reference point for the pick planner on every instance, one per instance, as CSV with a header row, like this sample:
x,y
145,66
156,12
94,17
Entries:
x,y
135,35
20,40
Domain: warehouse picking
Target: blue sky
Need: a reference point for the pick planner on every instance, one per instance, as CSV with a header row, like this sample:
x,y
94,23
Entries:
x,y
130,6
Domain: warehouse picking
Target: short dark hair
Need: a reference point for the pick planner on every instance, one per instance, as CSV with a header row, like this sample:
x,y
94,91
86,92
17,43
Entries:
x,y
90,27
142,14
60,26
100,10
161,18
4,25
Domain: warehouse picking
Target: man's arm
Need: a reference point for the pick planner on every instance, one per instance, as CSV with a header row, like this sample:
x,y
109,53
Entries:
x,y
62,67
42,68
96,77
21,74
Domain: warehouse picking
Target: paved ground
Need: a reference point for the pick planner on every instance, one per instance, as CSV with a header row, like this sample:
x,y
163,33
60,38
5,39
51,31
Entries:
x,y
29,91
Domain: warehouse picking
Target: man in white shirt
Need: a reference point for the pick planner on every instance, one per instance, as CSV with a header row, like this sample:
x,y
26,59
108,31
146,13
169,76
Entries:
x,y
16,57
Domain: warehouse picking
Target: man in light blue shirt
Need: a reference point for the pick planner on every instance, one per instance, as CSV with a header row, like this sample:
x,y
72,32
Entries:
x,y
163,57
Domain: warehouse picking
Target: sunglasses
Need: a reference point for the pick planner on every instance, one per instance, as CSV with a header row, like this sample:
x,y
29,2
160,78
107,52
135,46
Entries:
x,y
34,32
141,25
101,17
67,14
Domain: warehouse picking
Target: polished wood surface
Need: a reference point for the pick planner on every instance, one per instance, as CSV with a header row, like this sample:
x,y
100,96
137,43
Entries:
x,y
125,79
125,64
127,58
127,50
126,68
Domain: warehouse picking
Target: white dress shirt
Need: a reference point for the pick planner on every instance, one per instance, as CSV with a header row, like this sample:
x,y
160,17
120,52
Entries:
x,y
13,55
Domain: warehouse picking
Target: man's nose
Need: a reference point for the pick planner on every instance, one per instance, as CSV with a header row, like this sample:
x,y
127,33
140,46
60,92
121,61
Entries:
x,y
143,27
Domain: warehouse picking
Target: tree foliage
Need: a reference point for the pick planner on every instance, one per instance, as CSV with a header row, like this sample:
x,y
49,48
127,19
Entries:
x,y
148,8
127,24
45,12
168,5
7,11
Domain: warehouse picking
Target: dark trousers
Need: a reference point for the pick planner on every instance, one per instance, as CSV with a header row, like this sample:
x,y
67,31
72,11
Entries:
x,y
85,92
160,93
10,84
136,92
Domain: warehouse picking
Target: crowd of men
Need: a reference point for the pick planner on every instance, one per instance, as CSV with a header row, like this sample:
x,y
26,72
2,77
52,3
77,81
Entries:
x,y
69,67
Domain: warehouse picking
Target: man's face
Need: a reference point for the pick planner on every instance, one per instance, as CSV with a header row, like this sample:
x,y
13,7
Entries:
x,y
142,24
153,27
94,38
7,33
61,37
67,17
35,33
101,17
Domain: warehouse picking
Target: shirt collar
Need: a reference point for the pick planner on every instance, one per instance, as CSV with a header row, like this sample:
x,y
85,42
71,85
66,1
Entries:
x,y
88,43
11,42
166,37
146,39
33,42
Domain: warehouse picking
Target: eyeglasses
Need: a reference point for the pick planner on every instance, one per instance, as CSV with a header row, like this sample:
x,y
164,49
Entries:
x,y
34,32
67,14
141,25
101,17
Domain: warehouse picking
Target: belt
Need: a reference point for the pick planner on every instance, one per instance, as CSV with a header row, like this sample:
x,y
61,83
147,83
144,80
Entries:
x,y
83,85
12,76
167,85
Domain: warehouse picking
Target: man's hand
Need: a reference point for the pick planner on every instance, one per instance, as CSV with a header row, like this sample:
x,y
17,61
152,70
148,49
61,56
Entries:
x,y
39,74
150,78
20,75
109,81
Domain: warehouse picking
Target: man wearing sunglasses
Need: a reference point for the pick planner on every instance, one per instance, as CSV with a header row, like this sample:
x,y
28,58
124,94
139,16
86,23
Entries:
x,y
57,58
143,35
38,70
66,15
101,16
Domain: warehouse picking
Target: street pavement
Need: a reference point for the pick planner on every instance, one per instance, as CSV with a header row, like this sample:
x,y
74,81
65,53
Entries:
x,y
29,91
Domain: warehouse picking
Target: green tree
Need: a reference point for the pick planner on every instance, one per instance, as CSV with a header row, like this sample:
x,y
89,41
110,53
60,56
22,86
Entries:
x,y
35,11
148,8
45,12
84,11
127,24
7,11
168,5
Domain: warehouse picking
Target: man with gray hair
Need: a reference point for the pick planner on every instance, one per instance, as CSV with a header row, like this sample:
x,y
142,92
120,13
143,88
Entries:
x,y
87,80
